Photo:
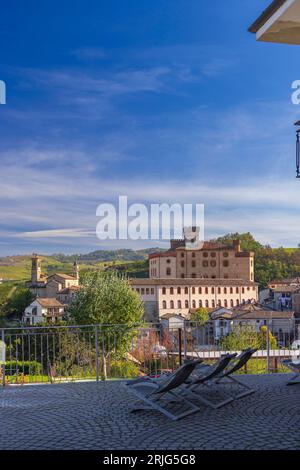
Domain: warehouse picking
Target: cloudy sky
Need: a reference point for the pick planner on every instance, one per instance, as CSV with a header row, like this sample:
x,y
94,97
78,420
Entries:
x,y
161,100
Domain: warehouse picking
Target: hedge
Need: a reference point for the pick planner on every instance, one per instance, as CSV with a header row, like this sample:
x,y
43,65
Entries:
x,y
26,368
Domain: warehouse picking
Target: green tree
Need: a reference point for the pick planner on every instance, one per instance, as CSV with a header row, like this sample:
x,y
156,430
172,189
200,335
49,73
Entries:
x,y
20,299
245,336
200,316
108,300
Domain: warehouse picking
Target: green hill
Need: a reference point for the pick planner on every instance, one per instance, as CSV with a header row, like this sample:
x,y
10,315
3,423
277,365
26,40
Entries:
x,y
134,263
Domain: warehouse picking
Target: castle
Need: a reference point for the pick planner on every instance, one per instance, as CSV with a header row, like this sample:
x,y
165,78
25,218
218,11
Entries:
x,y
184,278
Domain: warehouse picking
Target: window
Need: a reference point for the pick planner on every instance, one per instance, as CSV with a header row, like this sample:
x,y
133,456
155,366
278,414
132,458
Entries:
x,y
225,303
205,254
237,302
194,275
226,263
172,304
179,304
205,264
225,254
186,290
164,304
212,290
219,290
206,304
243,290
213,254
200,303
225,290
213,264
193,264
206,290
194,304
231,290
168,271
171,290
143,291
193,255
200,290
182,276
178,290
213,304
182,264
186,303
193,290
168,261
147,291
164,291
182,255
231,303
237,290
152,291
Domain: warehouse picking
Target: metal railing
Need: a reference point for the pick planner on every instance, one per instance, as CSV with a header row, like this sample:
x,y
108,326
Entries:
x,y
108,352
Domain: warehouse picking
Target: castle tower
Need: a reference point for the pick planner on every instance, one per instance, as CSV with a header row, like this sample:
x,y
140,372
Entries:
x,y
76,270
36,268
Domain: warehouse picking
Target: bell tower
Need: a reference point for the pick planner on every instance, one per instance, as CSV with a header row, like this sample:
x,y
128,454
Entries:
x,y
76,270
36,268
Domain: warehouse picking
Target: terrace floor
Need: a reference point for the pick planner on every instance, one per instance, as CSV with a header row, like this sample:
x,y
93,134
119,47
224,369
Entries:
x,y
97,416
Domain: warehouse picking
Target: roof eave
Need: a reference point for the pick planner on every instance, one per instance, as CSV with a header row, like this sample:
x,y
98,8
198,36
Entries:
x,y
266,15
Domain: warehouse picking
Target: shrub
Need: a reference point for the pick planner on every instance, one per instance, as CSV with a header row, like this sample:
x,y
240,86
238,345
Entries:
x,y
121,369
26,367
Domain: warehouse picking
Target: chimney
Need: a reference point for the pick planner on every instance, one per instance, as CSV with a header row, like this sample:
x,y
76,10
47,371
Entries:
x,y
237,245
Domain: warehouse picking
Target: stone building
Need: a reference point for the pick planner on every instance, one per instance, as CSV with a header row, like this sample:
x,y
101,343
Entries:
x,y
211,261
182,296
44,286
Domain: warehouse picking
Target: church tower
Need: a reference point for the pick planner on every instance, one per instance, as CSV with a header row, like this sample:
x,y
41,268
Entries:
x,y
76,270
36,268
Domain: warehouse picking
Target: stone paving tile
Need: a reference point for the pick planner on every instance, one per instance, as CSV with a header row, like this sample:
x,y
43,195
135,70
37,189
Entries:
x,y
97,416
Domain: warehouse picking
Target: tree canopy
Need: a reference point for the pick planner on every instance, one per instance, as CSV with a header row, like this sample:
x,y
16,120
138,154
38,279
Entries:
x,y
106,299
270,263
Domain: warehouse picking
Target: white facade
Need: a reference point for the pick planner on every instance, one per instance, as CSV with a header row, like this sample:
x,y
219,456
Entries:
x,y
41,310
181,296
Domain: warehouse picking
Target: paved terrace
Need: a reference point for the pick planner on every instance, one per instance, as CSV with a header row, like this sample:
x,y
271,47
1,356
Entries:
x,y
91,416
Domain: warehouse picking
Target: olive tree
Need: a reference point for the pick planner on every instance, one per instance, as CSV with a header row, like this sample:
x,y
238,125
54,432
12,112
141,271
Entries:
x,y
107,300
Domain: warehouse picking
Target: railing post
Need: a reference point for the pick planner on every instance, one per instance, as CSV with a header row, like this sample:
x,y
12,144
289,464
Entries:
x,y
268,346
180,345
3,356
97,354
184,340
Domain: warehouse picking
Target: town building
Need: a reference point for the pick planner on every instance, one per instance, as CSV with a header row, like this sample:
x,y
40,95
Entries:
x,y
212,261
53,293
162,297
283,295
280,323
43,310
52,286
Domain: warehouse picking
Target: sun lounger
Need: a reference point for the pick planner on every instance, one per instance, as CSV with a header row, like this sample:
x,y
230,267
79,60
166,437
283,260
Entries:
x,y
295,368
157,394
207,377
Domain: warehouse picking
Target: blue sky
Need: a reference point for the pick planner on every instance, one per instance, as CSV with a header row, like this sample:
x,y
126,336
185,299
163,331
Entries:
x,y
163,101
